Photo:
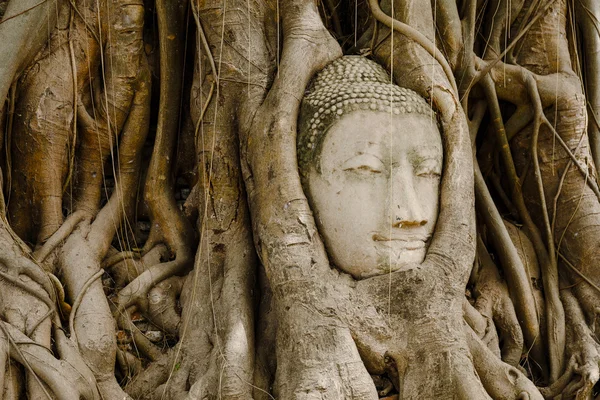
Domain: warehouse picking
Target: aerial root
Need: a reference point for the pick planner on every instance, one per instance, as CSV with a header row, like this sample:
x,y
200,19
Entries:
x,y
152,377
501,381
584,349
77,302
19,264
561,383
162,304
136,293
60,377
494,302
120,257
142,344
60,235
4,359
129,364
123,272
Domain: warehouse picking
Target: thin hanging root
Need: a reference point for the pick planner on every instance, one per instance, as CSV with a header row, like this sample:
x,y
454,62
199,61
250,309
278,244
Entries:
x,y
60,235
78,301
554,308
561,183
578,272
12,256
28,289
522,31
39,322
516,274
541,119
24,360
413,34
215,80
63,378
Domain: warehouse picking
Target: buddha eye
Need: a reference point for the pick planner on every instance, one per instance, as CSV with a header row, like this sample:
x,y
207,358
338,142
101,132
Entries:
x,y
364,164
428,168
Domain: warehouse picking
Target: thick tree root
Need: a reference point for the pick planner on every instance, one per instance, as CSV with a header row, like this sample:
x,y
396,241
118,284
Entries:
x,y
493,302
63,379
501,381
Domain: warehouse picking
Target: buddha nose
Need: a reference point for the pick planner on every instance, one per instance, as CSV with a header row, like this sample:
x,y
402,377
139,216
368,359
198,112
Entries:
x,y
406,210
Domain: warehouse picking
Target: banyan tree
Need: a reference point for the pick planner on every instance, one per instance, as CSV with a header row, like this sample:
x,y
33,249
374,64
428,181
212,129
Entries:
x,y
299,199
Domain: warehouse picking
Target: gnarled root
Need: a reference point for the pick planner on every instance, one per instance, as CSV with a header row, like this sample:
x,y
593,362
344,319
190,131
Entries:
x,y
494,302
65,381
583,349
501,381
169,225
162,304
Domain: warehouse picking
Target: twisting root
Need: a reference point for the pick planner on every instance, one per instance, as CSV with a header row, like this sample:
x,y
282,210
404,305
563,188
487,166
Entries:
x,y
561,383
142,344
413,34
162,304
60,235
119,257
515,272
77,301
166,218
24,361
554,308
62,378
136,292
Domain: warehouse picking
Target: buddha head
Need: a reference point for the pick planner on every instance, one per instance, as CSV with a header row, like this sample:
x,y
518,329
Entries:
x,y
370,158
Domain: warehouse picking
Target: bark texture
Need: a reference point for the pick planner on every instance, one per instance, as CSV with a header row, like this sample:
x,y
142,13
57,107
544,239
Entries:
x,y
156,242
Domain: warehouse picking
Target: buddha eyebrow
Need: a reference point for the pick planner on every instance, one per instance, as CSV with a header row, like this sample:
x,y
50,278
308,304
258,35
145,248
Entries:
x,y
424,154
427,151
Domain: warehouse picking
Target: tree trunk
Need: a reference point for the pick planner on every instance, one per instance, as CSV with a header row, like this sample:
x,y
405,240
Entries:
x,y
157,238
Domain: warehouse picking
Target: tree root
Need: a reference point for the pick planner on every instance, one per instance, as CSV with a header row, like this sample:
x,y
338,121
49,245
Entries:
x,y
162,304
63,379
127,270
583,348
554,308
122,256
517,276
152,377
501,381
77,302
413,34
143,345
59,235
136,292
493,301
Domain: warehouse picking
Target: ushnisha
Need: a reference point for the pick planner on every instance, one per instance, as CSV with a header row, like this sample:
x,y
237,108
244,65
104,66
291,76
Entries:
x,y
348,84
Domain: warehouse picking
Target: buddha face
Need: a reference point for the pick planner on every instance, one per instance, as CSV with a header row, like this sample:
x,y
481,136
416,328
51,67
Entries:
x,y
376,196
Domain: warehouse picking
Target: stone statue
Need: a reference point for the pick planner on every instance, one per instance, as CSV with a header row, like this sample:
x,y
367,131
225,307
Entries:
x,y
370,157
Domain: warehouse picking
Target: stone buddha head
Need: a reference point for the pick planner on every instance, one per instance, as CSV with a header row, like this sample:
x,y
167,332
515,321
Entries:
x,y
370,158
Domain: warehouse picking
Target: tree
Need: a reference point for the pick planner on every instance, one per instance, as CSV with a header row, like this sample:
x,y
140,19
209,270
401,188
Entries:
x,y
156,242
